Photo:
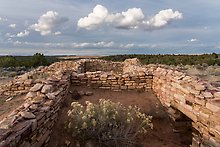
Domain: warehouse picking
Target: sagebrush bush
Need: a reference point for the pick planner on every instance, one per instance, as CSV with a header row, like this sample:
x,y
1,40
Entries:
x,y
107,122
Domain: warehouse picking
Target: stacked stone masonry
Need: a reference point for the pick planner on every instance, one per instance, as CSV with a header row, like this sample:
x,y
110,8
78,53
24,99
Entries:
x,y
32,123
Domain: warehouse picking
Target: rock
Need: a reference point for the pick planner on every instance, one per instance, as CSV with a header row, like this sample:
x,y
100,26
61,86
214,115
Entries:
x,y
9,99
82,93
31,95
48,103
50,96
45,108
27,115
28,82
33,107
217,94
88,93
207,95
7,122
37,100
23,77
36,87
46,88
200,87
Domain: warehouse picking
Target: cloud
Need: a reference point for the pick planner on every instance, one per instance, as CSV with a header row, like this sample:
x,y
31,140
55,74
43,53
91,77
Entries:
x,y
57,33
130,19
23,34
12,25
3,19
47,22
133,18
101,44
9,35
162,19
192,40
86,45
94,19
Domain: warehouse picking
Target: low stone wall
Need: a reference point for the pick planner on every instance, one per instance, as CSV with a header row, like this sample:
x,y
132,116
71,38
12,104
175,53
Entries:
x,y
113,81
14,88
31,124
195,98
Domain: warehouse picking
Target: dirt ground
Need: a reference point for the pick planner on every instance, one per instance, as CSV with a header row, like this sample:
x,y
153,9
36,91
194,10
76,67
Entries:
x,y
162,134
13,102
8,106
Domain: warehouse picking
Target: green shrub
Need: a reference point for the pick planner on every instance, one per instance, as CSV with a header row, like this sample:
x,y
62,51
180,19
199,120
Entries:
x,y
38,59
7,61
107,123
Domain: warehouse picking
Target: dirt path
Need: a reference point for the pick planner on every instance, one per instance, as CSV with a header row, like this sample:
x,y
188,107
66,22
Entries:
x,y
162,134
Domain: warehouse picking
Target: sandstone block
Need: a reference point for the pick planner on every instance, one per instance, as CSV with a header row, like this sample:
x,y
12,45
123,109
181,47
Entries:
x,y
47,88
27,115
212,107
36,87
200,87
31,95
217,94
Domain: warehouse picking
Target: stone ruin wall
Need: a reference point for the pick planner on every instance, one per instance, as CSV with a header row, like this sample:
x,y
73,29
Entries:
x,y
195,98
116,82
31,123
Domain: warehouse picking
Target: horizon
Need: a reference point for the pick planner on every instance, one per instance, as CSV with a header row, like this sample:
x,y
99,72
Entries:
x,y
55,27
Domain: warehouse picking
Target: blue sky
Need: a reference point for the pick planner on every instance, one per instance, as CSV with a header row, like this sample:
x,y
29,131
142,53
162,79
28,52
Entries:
x,y
104,27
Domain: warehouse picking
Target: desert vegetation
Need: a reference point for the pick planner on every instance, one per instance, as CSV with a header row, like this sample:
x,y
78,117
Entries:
x,y
107,123
38,59
208,59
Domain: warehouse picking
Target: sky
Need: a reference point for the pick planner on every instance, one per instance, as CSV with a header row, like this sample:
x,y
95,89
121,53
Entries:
x,y
108,27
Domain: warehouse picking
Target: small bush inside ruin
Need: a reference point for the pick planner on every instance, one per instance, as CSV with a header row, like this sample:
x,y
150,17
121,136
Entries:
x,y
107,123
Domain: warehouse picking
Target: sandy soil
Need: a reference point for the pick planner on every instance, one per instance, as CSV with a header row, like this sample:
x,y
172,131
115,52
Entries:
x,y
161,136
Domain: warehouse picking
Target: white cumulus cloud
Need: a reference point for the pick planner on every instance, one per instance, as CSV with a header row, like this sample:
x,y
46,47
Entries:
x,y
162,19
133,18
192,40
47,22
94,19
23,34
12,25
130,19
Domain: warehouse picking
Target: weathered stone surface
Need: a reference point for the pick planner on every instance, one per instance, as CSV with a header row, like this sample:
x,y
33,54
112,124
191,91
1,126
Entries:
x,y
50,96
7,122
200,87
27,115
212,107
217,94
36,87
208,95
46,88
31,94
37,100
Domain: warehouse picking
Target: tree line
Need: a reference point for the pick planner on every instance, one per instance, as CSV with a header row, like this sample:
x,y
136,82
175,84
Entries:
x,y
38,59
209,59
